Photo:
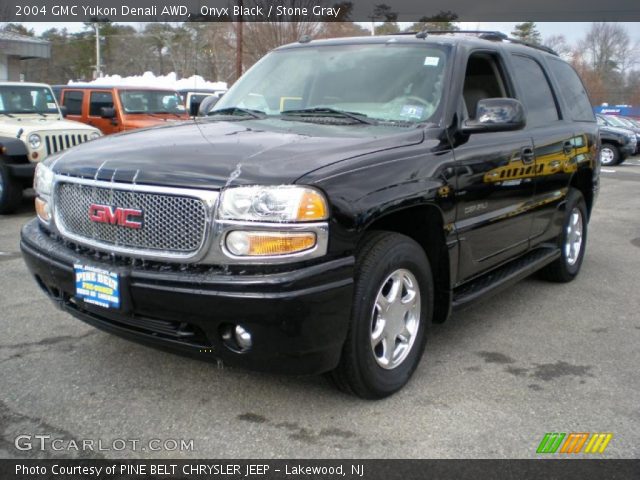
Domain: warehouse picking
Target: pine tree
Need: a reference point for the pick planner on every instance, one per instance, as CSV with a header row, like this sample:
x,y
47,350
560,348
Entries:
x,y
527,32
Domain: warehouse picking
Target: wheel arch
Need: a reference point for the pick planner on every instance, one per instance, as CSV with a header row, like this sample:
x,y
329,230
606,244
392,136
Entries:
x,y
424,224
582,180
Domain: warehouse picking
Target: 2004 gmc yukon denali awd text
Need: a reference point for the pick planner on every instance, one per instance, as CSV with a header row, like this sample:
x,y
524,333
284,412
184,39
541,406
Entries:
x,y
341,197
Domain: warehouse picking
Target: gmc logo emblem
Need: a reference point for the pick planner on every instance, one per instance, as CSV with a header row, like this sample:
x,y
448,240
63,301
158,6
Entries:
x,y
123,217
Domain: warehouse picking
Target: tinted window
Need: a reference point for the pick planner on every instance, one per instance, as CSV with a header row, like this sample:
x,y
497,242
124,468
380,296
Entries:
x,y
537,94
73,102
99,100
572,90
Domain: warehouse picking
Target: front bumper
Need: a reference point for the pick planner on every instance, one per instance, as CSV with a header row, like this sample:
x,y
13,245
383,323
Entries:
x,y
628,149
298,319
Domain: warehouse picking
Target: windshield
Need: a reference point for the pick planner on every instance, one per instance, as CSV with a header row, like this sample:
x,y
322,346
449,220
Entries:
x,y
151,101
392,82
19,99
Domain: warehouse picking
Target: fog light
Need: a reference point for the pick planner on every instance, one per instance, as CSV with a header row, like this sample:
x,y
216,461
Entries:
x,y
243,338
235,337
241,243
42,209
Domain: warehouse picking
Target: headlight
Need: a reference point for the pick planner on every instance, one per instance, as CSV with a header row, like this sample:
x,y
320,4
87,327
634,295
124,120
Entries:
x,y
94,135
35,141
273,204
43,180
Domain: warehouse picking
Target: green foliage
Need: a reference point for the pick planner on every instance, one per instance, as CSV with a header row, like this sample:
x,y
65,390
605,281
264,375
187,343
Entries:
x,y
443,20
527,32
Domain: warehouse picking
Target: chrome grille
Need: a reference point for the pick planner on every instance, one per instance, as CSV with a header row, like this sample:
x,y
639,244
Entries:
x,y
172,224
57,143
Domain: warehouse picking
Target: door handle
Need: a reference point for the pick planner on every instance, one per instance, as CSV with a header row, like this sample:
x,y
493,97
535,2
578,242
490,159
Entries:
x,y
567,148
527,155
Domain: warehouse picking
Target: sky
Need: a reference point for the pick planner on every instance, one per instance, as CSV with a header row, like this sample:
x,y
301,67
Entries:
x,y
573,31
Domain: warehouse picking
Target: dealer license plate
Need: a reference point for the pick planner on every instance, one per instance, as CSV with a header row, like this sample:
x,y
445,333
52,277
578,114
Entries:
x,y
97,286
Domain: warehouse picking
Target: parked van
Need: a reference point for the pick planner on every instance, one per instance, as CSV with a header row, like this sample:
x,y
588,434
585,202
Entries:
x,y
114,109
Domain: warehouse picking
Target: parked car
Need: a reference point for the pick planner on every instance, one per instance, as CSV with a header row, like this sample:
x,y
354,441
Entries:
x,y
317,222
31,128
634,121
617,143
621,122
115,109
193,97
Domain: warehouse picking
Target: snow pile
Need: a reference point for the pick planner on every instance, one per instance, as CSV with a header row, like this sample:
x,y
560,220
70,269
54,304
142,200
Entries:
x,y
148,79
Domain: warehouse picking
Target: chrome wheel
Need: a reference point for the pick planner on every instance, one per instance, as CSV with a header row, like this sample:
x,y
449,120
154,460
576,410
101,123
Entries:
x,y
573,242
395,319
607,157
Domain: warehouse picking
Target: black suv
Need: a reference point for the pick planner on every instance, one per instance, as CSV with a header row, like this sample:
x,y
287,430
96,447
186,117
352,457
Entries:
x,y
342,196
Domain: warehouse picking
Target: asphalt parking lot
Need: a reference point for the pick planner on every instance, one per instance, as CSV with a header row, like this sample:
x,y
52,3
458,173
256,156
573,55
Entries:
x,y
538,358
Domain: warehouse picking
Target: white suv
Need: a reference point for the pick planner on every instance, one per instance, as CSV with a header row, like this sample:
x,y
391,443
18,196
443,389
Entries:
x,y
32,127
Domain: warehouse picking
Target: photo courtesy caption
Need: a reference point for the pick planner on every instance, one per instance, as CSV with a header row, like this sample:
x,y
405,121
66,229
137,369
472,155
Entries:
x,y
189,469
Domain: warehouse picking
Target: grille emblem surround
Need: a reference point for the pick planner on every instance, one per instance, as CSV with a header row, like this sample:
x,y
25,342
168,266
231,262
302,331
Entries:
x,y
123,217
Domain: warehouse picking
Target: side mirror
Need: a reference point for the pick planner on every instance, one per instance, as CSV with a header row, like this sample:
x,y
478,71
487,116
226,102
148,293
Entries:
x,y
206,105
108,112
63,111
496,115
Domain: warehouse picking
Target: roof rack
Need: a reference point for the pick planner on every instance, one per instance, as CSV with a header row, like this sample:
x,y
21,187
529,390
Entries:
x,y
491,35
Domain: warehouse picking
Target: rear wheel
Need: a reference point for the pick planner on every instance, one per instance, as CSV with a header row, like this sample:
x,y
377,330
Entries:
x,y
10,191
392,307
609,155
572,241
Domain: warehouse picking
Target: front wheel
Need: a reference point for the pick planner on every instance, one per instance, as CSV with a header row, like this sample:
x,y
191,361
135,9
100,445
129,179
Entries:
x,y
609,155
392,307
572,240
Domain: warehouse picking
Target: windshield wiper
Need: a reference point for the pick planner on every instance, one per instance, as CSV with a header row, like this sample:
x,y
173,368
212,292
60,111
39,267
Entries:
x,y
238,110
327,111
8,115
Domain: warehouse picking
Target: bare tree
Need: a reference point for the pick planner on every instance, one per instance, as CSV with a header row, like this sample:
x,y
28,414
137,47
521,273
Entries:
x,y
261,37
608,47
559,44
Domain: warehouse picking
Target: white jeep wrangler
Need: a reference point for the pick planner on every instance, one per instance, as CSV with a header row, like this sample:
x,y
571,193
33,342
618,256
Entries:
x,y
32,127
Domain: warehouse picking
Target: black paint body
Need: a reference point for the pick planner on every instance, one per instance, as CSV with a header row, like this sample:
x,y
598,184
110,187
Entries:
x,y
430,176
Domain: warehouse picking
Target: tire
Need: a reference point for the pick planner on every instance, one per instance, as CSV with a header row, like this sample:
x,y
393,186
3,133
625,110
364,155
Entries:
x,y
10,191
383,261
567,267
609,155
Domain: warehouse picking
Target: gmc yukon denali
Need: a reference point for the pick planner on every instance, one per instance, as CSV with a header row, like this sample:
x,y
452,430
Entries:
x,y
339,199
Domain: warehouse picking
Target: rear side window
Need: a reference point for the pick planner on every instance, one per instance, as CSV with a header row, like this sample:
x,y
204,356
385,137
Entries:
x,y
537,94
572,90
99,100
73,102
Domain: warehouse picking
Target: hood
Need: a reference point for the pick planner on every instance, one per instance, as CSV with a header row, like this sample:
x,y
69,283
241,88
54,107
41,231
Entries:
x,y
135,120
35,123
617,130
210,154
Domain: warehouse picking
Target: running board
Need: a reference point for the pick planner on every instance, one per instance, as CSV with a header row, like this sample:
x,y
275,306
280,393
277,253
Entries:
x,y
504,276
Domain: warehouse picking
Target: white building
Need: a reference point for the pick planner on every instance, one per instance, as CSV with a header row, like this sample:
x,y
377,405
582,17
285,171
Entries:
x,y
14,48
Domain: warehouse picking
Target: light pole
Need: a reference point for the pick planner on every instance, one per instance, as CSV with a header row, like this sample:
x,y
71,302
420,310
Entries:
x,y
96,26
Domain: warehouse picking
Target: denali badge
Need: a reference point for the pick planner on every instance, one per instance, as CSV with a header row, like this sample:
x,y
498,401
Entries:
x,y
124,217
